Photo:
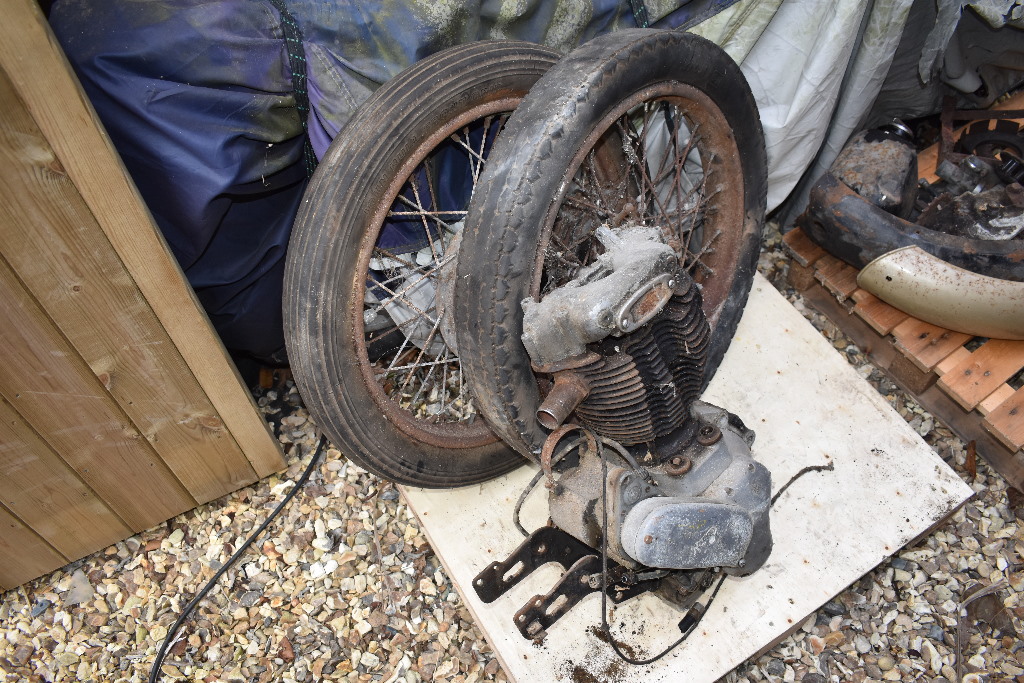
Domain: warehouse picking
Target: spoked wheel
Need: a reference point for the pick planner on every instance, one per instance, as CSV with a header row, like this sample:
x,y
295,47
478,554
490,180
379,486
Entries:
x,y
370,268
634,128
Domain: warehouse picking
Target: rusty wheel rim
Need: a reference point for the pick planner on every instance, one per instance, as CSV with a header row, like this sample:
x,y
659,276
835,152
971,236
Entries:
x,y
420,385
664,157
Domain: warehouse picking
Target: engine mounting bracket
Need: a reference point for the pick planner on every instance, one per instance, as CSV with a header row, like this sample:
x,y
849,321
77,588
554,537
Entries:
x,y
582,577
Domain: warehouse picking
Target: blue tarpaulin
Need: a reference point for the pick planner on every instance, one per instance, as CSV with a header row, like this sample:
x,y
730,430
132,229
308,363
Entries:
x,y
199,98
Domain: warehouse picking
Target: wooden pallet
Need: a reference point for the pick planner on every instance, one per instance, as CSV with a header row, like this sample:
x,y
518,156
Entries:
x,y
965,388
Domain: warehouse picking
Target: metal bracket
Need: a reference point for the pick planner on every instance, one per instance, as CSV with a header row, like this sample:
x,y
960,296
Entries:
x,y
583,576
546,544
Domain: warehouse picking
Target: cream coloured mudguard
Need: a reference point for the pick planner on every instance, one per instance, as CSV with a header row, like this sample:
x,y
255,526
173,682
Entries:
x,y
932,290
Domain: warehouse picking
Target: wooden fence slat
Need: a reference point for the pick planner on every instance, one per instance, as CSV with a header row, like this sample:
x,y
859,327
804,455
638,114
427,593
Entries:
x,y
977,376
23,554
49,385
926,344
54,244
48,496
43,79
1006,422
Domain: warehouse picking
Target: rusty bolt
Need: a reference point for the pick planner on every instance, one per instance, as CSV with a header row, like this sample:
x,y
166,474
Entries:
x,y
648,539
678,465
708,435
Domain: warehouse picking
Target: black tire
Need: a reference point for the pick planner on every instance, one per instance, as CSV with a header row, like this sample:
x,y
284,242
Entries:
x,y
390,146
523,197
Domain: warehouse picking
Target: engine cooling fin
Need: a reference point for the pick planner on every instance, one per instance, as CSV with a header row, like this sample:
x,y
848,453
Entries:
x,y
642,386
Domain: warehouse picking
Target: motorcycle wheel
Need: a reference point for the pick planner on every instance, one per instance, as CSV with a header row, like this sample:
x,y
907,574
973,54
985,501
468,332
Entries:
x,y
638,127
372,242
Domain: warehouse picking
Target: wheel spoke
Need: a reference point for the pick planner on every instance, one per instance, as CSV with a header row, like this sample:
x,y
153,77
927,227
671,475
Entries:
x,y
423,374
664,168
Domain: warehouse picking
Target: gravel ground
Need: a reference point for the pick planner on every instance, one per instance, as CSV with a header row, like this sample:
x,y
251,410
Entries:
x,y
347,588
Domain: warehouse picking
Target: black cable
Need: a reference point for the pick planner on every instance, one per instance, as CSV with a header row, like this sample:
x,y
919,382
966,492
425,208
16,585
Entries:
x,y
154,672
561,453
807,470
691,625
522,499
625,455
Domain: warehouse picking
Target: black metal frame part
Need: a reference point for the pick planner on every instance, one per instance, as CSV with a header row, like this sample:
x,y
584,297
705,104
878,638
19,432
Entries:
x,y
582,577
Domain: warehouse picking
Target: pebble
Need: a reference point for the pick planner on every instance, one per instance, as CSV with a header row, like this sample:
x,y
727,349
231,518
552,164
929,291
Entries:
x,y
906,609
80,589
346,587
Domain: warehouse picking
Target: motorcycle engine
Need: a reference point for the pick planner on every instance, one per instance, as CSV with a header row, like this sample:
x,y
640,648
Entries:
x,y
624,344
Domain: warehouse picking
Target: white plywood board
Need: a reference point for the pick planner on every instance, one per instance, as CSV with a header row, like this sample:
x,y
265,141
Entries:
x,y
808,407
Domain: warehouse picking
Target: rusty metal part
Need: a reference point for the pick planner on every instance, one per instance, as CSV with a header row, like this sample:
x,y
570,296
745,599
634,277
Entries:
x,y
641,388
708,435
882,168
546,544
856,231
944,295
988,215
541,611
583,565
950,114
568,364
706,231
677,466
441,430
549,449
721,479
570,389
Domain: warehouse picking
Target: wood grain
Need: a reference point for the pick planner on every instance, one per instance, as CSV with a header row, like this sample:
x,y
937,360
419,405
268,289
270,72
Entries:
x,y
882,317
53,242
50,386
48,496
838,278
25,555
926,344
995,399
804,251
951,361
978,375
44,81
1007,421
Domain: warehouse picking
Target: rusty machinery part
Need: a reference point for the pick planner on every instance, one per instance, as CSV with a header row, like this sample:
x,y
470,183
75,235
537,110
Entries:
x,y
856,231
990,138
713,514
881,166
642,368
635,129
371,246
582,577
869,204
668,532
934,291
